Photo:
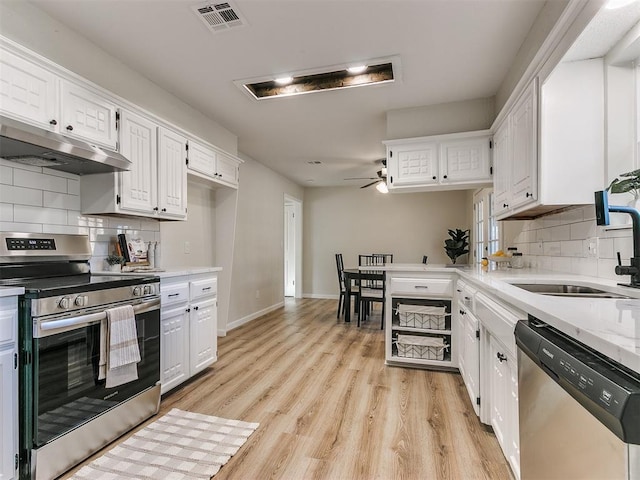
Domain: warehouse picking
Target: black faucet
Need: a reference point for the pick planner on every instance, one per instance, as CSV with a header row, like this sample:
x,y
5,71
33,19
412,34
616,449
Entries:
x,y
602,218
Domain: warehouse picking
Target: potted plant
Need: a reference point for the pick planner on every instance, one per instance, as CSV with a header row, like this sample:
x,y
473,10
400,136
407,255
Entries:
x,y
629,182
115,262
457,245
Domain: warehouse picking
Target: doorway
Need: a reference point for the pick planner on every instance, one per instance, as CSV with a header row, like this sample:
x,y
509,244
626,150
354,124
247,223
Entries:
x,y
292,247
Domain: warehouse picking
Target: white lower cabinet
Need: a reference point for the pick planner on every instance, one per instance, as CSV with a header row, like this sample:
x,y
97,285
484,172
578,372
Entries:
x,y
468,343
407,336
8,388
499,374
189,327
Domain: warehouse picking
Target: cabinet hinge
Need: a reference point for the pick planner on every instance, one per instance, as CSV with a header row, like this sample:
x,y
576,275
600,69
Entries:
x,y
390,153
15,462
186,147
117,120
15,360
186,161
477,400
117,199
477,333
490,144
490,170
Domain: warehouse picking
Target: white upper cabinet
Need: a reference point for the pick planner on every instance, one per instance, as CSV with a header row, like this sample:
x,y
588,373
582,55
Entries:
x,y
202,159
413,164
549,135
28,92
156,184
138,142
515,155
33,94
444,162
216,166
172,173
227,170
88,115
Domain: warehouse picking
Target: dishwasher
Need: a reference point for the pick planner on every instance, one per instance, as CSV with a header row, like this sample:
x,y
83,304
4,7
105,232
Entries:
x,y
579,410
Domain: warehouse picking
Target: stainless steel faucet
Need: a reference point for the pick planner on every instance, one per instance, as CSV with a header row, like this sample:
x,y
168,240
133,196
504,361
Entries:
x,y
602,218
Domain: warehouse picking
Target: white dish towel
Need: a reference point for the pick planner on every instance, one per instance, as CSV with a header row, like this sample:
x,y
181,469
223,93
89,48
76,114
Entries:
x,y
119,352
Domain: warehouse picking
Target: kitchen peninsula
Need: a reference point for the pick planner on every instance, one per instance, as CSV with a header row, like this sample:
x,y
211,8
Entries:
x,y
484,307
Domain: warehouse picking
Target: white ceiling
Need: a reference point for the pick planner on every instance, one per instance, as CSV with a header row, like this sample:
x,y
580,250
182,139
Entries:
x,y
450,50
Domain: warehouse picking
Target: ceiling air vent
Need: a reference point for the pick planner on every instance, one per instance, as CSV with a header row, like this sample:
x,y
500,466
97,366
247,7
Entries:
x,y
219,17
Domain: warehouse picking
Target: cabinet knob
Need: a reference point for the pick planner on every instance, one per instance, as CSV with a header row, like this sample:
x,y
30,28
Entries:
x,y
444,176
434,177
528,195
53,122
505,205
196,308
188,309
155,209
501,357
164,209
70,127
462,312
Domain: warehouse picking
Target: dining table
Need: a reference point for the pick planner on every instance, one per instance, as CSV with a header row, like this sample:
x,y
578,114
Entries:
x,y
352,275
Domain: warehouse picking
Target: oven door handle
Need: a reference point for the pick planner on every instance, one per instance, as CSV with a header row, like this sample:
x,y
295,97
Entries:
x,y
84,320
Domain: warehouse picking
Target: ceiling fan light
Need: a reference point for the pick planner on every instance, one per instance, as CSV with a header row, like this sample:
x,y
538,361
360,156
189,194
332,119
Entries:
x,y
383,171
382,187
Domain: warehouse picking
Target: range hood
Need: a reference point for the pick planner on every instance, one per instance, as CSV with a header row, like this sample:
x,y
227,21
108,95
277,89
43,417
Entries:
x,y
29,145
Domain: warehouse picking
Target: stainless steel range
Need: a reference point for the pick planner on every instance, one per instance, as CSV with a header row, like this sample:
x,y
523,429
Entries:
x,y
66,411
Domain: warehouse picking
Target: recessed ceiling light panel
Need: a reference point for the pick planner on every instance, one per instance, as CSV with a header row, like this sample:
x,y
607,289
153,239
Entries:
x,y
318,80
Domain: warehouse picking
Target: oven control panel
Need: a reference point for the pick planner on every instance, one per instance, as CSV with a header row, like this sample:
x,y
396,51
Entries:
x,y
92,299
16,243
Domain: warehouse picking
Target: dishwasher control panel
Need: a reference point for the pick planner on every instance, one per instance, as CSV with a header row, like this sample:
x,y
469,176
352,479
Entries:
x,y
610,391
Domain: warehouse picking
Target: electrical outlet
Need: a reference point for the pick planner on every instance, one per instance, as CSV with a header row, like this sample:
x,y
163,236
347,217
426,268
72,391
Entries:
x,y
187,247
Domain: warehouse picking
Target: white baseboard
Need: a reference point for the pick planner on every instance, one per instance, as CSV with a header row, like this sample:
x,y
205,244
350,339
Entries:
x,y
253,316
320,295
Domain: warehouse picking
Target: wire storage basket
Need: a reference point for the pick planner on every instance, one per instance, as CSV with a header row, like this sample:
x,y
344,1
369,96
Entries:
x,y
422,316
426,348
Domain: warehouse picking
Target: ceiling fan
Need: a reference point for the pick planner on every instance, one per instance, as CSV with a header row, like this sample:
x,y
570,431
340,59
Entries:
x,y
380,181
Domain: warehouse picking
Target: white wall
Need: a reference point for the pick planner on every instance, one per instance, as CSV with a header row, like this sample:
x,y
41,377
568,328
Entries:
x,y
453,117
198,230
352,221
257,283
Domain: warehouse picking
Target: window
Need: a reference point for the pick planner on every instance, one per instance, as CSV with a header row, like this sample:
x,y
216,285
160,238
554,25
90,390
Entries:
x,y
486,229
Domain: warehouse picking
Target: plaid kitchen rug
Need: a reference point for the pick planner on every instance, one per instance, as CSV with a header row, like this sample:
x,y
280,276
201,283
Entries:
x,y
178,446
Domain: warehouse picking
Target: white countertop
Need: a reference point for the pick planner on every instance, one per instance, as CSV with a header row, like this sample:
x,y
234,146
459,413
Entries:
x,y
11,291
610,326
165,273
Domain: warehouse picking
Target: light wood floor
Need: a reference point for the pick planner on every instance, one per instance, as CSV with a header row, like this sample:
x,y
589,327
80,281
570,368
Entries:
x,y
329,408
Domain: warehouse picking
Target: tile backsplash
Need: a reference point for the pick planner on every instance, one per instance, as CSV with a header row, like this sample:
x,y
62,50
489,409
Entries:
x,y
571,242
42,200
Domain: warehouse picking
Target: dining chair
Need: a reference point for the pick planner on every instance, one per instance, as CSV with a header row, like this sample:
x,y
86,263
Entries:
x,y
383,258
355,290
372,290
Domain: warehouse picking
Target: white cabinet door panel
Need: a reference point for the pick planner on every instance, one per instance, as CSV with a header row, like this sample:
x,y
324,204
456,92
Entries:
x,y
203,335
172,173
464,160
174,347
524,167
27,91
88,116
414,164
227,170
201,159
8,414
139,144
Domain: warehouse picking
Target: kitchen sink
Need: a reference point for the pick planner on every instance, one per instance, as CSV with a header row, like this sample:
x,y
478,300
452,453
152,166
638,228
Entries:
x,y
562,290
